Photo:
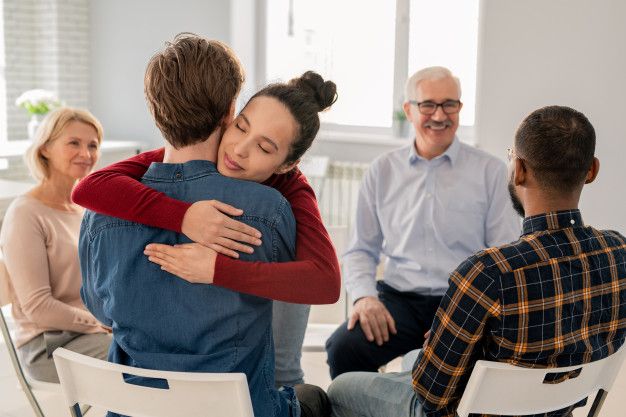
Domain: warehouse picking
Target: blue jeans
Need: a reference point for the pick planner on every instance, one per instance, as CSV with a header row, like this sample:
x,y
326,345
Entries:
x,y
288,325
372,394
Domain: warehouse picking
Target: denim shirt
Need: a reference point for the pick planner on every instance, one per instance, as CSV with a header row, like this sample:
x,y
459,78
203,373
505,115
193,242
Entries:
x,y
162,322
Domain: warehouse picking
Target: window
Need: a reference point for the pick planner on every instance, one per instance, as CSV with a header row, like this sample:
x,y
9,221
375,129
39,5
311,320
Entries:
x,y
369,48
3,90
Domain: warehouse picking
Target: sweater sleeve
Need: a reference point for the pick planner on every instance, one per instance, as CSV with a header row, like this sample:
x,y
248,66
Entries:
x,y
314,278
117,191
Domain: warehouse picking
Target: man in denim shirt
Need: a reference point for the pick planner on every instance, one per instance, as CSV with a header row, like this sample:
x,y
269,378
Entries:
x,y
160,321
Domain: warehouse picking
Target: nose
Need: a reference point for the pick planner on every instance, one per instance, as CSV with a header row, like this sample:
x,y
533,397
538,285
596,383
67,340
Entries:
x,y
439,115
241,148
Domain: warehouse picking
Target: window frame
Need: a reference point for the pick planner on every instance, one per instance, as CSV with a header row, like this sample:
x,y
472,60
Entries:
x,y
401,64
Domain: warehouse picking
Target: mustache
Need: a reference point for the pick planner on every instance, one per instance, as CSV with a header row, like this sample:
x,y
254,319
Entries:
x,y
435,123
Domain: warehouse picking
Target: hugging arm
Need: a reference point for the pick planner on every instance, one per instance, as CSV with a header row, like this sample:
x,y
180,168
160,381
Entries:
x,y
117,191
314,278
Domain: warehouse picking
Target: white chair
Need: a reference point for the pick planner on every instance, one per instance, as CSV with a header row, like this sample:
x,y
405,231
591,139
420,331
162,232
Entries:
x,y
28,385
504,389
99,383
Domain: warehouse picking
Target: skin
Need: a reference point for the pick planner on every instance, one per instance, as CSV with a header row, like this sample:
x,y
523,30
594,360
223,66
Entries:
x,y
433,135
70,157
253,147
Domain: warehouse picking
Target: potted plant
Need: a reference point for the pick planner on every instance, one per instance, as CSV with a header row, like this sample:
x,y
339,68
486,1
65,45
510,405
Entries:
x,y
37,103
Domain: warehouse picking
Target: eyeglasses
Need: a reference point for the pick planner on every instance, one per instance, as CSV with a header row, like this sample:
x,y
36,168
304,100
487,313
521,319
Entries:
x,y
430,107
510,154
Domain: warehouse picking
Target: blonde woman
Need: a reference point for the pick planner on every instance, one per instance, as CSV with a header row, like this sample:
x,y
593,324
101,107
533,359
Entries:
x,y
39,241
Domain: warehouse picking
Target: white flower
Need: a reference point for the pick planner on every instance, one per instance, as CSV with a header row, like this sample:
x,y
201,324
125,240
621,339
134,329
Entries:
x,y
36,96
37,101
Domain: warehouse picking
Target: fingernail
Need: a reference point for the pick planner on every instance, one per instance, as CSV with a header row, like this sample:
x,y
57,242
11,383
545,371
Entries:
x,y
258,243
259,235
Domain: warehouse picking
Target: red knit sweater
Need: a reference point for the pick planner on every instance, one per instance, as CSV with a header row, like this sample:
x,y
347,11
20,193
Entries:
x,y
313,278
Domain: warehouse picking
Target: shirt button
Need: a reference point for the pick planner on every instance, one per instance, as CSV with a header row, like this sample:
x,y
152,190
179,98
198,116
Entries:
x,y
178,175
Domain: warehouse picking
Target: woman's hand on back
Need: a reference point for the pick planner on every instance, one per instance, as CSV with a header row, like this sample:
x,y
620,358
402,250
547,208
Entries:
x,y
191,261
207,222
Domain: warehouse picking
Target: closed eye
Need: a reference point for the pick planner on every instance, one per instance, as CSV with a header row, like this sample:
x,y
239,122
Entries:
x,y
263,149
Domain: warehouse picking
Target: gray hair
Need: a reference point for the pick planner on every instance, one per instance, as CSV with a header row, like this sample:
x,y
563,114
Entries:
x,y
429,73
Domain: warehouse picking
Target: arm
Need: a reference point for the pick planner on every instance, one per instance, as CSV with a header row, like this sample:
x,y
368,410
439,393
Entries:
x,y
363,254
26,259
314,278
502,224
117,191
443,368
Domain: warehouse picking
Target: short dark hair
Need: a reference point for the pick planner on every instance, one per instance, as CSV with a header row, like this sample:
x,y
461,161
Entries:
x,y
558,143
190,86
304,97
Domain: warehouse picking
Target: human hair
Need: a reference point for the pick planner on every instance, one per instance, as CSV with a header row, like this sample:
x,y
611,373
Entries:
x,y
304,97
429,73
558,143
190,86
50,130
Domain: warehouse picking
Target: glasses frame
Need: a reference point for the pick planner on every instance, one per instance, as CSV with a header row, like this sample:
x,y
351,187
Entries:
x,y
419,106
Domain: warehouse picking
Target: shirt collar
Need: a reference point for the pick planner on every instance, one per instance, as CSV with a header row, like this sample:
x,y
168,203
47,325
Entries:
x,y
180,172
553,220
451,153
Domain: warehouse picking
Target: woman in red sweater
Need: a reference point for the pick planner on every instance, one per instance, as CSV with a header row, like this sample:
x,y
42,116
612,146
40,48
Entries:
x,y
313,278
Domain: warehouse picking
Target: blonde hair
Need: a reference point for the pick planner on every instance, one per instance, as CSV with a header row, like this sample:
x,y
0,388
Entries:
x,y
50,130
429,73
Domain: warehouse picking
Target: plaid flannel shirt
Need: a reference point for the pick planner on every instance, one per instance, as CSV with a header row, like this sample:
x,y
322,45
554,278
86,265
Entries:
x,y
554,298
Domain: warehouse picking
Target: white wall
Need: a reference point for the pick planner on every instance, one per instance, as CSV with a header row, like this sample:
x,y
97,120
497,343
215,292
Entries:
x,y
569,52
124,35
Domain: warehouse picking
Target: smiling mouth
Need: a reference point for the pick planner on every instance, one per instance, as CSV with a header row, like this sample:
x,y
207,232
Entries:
x,y
230,164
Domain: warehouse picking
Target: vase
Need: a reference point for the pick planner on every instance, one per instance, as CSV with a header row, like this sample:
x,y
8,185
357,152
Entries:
x,y
33,124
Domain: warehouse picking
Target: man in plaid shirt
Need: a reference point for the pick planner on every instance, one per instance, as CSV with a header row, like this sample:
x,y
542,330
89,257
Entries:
x,y
554,298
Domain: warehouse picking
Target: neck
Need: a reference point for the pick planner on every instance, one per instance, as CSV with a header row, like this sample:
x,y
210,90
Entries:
x,y
427,152
56,191
539,202
205,151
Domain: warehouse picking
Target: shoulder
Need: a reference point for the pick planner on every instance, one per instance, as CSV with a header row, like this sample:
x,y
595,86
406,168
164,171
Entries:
x,y
23,209
393,157
613,238
475,155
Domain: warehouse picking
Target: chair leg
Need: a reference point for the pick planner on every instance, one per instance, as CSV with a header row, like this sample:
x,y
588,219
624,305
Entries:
x,y
75,411
597,403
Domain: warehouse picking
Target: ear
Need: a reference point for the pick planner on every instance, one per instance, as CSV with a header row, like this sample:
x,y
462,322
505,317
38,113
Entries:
x,y
286,167
406,106
593,171
228,118
44,150
520,173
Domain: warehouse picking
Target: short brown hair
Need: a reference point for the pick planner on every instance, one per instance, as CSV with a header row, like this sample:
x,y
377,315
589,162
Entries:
x,y
50,130
190,86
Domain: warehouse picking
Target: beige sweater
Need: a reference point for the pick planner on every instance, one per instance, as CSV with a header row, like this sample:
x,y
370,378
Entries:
x,y
40,248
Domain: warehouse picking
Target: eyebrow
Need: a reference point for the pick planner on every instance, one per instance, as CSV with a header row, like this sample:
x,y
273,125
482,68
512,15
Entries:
x,y
243,116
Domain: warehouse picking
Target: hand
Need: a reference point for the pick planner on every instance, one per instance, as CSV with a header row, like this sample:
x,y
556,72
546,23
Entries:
x,y
192,262
206,222
375,319
426,339
107,329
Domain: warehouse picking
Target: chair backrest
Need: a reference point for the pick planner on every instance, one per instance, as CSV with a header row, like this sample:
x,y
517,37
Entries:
x,y
28,384
99,383
504,389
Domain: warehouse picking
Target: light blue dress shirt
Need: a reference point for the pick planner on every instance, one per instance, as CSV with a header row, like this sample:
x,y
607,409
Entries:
x,y
426,217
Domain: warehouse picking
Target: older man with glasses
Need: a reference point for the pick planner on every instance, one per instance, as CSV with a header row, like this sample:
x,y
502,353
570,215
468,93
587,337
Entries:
x,y
426,207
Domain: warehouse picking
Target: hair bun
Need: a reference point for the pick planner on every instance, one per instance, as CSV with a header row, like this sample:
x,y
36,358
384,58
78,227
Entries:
x,y
324,92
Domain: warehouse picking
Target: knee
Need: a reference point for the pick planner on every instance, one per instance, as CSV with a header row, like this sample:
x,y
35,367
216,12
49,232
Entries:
x,y
313,401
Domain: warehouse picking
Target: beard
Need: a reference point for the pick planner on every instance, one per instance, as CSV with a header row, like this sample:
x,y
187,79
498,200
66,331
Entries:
x,y
517,204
